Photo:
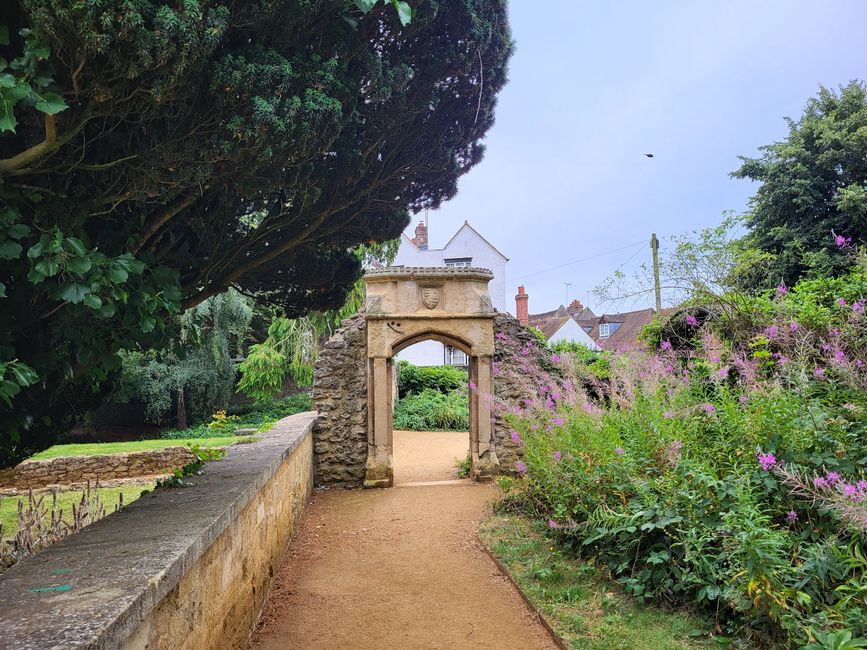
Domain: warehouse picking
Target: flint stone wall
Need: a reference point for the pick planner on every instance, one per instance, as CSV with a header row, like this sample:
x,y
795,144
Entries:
x,y
70,470
340,397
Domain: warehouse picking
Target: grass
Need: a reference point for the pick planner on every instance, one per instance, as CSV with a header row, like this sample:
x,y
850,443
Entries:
x,y
108,495
587,611
105,448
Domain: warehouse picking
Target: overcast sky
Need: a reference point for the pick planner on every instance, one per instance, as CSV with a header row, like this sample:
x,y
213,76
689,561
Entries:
x,y
595,85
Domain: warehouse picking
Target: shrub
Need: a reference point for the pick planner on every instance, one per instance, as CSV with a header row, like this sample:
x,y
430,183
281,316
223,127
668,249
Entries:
x,y
259,416
413,380
731,475
431,410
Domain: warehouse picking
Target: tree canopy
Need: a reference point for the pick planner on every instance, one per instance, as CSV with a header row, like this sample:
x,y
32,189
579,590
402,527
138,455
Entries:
x,y
813,188
154,153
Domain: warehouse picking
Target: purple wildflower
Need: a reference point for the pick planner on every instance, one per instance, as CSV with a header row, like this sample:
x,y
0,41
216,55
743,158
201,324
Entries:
x,y
710,409
665,345
862,485
820,482
818,373
841,242
771,331
767,461
521,467
691,320
555,358
668,415
724,372
552,524
840,357
841,302
793,326
792,516
549,403
832,477
558,422
849,490
744,399
669,368
858,306
473,385
516,438
619,451
782,290
558,455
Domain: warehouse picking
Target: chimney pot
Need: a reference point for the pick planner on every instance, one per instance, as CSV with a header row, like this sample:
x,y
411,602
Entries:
x,y
420,239
522,307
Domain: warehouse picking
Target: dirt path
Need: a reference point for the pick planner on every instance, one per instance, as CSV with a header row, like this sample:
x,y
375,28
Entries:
x,y
397,568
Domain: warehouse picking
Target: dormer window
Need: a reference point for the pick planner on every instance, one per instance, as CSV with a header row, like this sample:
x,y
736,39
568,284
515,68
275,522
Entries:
x,y
459,262
604,330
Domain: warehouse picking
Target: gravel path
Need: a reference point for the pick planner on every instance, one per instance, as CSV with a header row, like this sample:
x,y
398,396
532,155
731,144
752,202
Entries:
x,y
397,568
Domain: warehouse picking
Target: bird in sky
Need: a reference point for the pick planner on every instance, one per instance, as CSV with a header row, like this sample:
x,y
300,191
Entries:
x,y
649,155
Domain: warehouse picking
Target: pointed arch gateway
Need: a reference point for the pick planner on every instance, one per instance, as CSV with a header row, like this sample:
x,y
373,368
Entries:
x,y
407,305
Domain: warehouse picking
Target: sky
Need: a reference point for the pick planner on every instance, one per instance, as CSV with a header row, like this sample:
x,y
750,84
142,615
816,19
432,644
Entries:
x,y
596,85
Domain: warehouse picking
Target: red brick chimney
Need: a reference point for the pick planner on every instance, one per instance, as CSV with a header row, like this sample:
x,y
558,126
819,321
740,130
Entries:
x,y
575,307
521,307
420,239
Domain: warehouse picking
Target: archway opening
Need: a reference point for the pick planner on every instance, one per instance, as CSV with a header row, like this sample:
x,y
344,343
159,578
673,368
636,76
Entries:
x,y
431,409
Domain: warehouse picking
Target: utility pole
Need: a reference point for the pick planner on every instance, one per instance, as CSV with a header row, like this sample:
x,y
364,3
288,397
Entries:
x,y
654,246
568,285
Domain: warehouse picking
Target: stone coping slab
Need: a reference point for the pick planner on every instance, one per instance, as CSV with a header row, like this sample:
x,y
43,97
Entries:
x,y
93,589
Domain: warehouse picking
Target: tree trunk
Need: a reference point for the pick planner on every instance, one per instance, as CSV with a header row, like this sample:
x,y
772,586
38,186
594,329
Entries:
x,y
182,410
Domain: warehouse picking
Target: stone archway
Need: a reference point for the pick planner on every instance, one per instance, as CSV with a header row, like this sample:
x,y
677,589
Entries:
x,y
407,305
352,437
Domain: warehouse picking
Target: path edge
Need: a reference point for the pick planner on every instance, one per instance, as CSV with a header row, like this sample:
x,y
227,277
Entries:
x,y
504,571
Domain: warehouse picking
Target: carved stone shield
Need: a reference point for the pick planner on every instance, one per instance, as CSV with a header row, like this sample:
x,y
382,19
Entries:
x,y
430,297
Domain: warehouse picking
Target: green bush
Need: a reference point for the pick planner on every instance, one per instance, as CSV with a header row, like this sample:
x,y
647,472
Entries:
x,y
413,380
259,416
431,410
731,477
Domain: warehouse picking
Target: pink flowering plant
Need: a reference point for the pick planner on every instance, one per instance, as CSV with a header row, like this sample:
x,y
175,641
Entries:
x,y
727,472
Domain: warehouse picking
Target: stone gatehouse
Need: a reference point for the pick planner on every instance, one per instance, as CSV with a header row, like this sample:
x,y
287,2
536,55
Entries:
x,y
353,387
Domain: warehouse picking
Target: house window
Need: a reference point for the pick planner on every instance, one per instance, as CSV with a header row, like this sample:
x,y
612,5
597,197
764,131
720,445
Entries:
x,y
459,262
604,330
454,357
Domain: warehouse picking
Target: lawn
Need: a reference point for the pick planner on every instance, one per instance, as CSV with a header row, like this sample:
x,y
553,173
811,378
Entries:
x,y
104,448
587,611
108,495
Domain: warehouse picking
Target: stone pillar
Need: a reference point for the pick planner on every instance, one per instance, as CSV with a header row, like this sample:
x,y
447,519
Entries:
x,y
485,463
379,471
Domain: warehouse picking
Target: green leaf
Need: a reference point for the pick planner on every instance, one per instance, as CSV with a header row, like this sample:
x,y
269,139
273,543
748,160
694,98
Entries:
x,y
9,388
404,12
47,267
93,301
2,290
24,374
147,323
79,265
6,80
366,5
73,293
7,116
9,250
4,35
117,274
74,245
18,230
51,103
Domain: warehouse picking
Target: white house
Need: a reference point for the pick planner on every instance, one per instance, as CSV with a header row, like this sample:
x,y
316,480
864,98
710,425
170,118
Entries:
x,y
466,248
561,324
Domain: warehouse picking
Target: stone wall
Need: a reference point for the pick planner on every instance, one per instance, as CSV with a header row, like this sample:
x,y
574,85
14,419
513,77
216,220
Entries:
x,y
72,470
340,397
185,567
510,341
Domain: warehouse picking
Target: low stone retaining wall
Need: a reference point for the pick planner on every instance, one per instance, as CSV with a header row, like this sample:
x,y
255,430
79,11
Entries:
x,y
185,567
70,470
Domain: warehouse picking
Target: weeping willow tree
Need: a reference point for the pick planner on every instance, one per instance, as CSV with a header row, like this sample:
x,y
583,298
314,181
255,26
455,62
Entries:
x,y
293,344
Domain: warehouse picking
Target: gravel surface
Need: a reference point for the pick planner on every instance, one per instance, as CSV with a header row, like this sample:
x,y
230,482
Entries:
x,y
397,568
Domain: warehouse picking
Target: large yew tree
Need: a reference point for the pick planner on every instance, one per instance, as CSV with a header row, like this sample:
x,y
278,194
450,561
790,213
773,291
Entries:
x,y
155,152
